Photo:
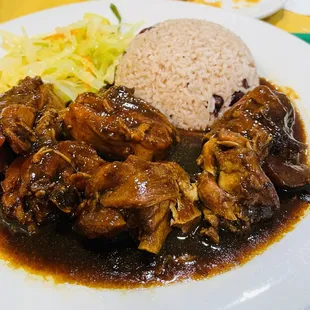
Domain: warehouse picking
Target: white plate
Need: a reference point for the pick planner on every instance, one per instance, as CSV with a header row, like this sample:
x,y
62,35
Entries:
x,y
277,279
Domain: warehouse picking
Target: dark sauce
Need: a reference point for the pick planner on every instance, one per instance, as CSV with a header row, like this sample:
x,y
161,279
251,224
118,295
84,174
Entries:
x,y
61,253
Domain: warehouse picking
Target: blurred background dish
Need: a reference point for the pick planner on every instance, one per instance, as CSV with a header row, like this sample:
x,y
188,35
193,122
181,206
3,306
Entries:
x,y
290,15
253,8
298,6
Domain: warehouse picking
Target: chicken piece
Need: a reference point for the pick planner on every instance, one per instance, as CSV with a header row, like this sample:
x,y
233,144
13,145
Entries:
x,y
21,110
234,187
233,183
150,197
185,214
240,174
152,242
216,199
265,118
153,225
48,129
117,124
48,126
25,93
17,122
212,231
287,176
37,186
134,183
97,222
282,162
49,100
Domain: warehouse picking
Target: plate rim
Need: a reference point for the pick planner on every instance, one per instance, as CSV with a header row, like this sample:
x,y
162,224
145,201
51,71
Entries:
x,y
301,44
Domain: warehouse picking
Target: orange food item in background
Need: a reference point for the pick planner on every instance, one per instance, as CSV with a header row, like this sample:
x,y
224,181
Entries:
x,y
217,4
246,1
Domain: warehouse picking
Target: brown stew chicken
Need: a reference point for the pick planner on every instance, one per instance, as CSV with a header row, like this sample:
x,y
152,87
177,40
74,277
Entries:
x,y
107,192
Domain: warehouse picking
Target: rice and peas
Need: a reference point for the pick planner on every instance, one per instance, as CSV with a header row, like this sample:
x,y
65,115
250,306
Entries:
x,y
189,69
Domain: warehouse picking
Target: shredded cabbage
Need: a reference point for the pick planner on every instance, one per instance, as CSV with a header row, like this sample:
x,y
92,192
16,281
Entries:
x,y
80,57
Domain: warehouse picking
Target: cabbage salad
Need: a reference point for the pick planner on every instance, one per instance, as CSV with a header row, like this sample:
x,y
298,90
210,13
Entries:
x,y
78,58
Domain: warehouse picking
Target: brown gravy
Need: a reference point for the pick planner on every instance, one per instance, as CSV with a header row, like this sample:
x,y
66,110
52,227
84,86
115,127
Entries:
x,y
67,257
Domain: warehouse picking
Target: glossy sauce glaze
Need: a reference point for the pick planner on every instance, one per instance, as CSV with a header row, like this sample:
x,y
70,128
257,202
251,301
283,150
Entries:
x,y
61,253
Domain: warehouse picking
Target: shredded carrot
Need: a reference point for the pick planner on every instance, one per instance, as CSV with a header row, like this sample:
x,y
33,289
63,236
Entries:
x,y
87,58
75,31
57,36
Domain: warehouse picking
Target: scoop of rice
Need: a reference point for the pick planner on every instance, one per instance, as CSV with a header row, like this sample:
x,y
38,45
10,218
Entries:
x,y
189,69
